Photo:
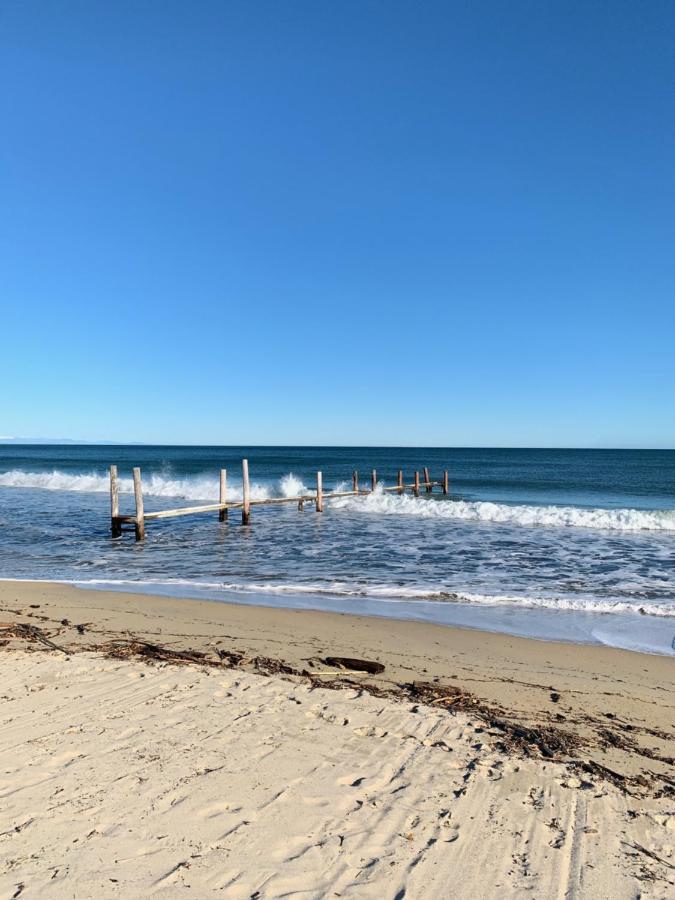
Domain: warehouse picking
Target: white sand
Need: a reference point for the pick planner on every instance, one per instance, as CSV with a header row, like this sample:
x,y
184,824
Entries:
x,y
119,779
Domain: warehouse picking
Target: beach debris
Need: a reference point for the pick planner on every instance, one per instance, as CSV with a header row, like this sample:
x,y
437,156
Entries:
x,y
229,657
134,647
356,665
30,633
649,853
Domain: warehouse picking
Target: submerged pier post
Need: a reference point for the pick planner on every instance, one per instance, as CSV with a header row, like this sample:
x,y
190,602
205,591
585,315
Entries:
x,y
139,524
222,513
355,481
319,492
446,486
246,489
115,526
401,489
416,486
427,480
373,480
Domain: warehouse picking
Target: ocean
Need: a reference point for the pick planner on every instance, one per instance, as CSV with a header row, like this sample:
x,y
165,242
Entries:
x,y
575,545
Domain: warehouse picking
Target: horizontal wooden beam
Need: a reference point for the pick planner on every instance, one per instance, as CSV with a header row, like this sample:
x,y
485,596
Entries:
x,y
269,501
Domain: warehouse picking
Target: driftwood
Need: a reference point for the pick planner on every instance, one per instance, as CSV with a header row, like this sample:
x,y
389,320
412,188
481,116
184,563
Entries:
x,y
357,665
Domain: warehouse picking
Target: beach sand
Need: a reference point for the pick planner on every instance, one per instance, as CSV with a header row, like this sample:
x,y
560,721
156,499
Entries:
x,y
474,765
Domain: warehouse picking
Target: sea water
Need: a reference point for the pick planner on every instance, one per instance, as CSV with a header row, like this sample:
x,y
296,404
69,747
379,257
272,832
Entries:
x,y
574,545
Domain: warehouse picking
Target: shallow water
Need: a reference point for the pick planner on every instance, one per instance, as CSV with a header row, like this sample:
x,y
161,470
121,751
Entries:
x,y
567,544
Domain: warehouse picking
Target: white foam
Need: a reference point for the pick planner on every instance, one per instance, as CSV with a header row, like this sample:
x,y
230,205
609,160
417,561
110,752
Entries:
x,y
392,593
154,485
485,511
205,488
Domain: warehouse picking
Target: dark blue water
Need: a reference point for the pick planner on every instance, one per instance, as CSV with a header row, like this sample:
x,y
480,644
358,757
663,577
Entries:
x,y
572,544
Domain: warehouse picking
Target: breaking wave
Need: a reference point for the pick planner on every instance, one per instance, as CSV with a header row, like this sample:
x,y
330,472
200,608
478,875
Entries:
x,y
154,485
503,513
207,489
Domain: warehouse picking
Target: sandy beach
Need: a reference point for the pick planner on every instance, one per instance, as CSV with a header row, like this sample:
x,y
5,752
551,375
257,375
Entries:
x,y
161,747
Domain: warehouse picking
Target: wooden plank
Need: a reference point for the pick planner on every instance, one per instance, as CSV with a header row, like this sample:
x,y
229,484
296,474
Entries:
x,y
246,505
446,485
115,526
272,501
416,485
222,512
138,496
319,492
400,481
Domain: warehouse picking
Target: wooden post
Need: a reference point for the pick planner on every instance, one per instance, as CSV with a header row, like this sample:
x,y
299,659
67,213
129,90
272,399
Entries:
x,y
319,492
355,481
446,486
246,508
138,495
301,504
115,526
373,480
222,513
401,489
427,480
416,488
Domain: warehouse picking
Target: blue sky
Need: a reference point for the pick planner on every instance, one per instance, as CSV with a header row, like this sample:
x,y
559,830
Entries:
x,y
348,222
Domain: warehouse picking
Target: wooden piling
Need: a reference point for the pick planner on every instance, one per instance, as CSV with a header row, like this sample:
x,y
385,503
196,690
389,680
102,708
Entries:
x,y
138,520
222,512
427,480
115,526
246,506
139,523
319,492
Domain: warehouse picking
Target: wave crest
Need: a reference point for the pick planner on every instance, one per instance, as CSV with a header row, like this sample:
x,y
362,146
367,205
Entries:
x,y
503,513
154,485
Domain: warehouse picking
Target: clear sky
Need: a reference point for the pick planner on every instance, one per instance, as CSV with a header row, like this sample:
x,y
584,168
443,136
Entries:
x,y
441,223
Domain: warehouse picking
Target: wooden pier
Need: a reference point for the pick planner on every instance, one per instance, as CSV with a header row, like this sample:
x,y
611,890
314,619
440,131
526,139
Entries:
x,y
318,497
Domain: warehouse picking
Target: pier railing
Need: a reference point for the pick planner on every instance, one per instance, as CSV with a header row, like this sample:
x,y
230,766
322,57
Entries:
x,y
317,498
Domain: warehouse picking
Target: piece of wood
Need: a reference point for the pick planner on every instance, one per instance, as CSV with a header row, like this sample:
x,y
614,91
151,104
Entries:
x,y
222,513
301,504
319,492
373,480
246,489
357,665
427,481
355,481
446,485
270,501
416,486
115,525
401,489
138,496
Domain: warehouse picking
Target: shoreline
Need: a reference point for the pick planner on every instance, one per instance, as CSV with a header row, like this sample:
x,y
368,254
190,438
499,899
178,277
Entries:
x,y
595,628
613,708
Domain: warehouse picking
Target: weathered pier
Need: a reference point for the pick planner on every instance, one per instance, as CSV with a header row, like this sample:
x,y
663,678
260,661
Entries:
x,y
317,497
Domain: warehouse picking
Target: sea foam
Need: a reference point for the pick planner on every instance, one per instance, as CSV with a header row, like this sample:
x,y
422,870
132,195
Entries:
x,y
504,513
378,503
